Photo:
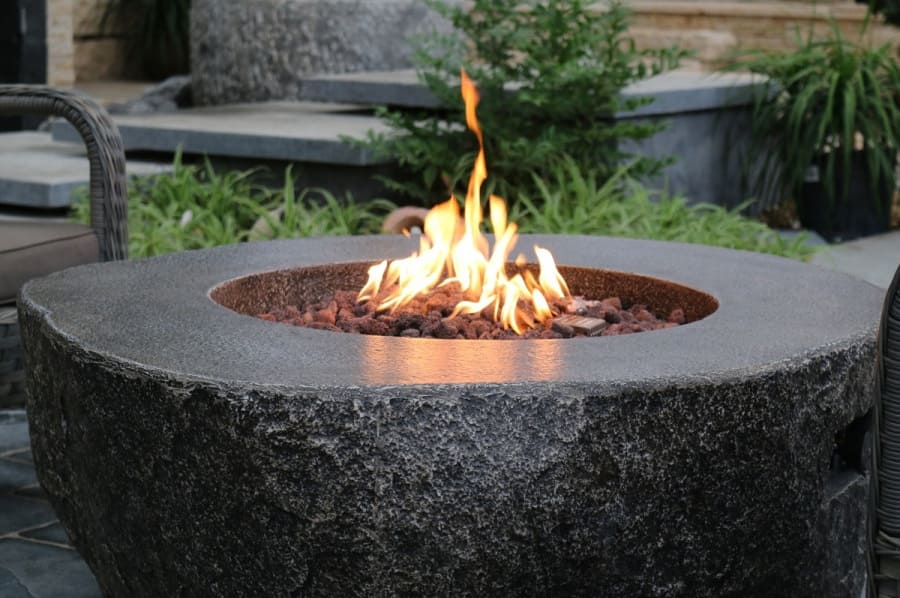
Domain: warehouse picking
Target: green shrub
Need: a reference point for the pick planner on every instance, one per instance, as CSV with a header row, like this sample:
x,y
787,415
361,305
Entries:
x,y
567,65
158,34
195,207
573,201
824,100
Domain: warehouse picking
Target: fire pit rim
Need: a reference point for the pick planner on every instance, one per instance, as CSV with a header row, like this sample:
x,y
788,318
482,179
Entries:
x,y
71,315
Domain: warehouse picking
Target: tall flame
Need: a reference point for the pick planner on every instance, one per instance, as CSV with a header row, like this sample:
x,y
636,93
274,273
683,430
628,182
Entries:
x,y
454,250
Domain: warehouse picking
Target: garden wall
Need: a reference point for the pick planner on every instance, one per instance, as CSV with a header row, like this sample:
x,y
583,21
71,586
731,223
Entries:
x,y
714,29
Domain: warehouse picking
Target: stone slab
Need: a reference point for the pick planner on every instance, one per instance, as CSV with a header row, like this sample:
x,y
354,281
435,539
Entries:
x,y
254,52
51,533
45,571
13,430
37,172
673,92
14,476
18,513
873,259
292,131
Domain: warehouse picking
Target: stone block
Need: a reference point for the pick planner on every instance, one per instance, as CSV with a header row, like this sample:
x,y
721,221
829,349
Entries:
x,y
244,51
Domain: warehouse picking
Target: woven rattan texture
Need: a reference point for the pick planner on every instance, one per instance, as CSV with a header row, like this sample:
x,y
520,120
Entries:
x,y
884,518
108,199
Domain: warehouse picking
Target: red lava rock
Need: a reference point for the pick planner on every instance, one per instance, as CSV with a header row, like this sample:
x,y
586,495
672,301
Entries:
x,y
326,316
611,303
428,317
373,326
446,330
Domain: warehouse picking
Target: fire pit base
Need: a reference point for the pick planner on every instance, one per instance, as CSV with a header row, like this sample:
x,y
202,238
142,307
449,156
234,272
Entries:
x,y
190,450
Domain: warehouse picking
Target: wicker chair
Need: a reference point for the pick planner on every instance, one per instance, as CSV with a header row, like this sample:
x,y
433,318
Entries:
x,y
29,248
884,519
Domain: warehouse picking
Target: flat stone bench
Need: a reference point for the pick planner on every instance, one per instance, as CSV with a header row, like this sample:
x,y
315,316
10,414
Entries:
x,y
292,131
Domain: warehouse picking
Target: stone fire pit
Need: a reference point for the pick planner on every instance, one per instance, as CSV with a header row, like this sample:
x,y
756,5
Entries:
x,y
190,450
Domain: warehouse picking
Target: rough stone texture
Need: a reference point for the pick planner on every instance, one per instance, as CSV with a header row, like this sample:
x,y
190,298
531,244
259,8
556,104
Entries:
x,y
249,51
191,450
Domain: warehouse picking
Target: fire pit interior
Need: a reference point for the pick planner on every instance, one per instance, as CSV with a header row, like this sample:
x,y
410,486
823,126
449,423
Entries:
x,y
634,303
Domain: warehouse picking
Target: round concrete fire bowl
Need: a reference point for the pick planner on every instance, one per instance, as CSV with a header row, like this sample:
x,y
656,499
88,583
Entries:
x,y
193,450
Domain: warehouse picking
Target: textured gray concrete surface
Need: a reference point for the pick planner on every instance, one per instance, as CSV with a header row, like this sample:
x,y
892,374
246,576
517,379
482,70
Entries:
x,y
36,557
673,92
696,461
37,172
254,51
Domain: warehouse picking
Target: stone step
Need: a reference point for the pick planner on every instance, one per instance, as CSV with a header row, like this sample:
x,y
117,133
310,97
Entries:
x,y
698,107
674,92
291,131
37,172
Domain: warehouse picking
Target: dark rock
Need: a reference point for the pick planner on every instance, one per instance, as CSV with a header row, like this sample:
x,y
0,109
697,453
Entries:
x,y
191,450
259,51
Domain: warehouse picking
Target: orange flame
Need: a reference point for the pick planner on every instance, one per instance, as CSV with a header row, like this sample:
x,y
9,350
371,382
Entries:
x,y
454,251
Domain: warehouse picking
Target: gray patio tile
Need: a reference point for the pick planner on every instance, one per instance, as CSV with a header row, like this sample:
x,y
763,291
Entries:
x,y
18,513
22,456
34,491
15,475
13,430
46,571
10,587
51,533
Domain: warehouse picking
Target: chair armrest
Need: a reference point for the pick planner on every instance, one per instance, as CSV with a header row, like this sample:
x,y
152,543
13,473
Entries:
x,y
108,190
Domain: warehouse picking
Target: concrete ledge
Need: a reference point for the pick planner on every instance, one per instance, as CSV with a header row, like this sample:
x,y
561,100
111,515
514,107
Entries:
x,y
37,172
291,131
673,92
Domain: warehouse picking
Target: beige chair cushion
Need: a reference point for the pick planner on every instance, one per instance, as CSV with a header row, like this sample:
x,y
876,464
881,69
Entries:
x,y
29,249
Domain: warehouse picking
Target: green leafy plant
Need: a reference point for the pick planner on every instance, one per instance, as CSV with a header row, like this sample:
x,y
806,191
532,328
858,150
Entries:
x,y
822,102
574,201
195,207
158,33
549,74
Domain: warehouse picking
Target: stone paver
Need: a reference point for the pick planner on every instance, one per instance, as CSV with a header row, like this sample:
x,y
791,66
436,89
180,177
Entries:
x,y
293,131
36,559
873,259
37,172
